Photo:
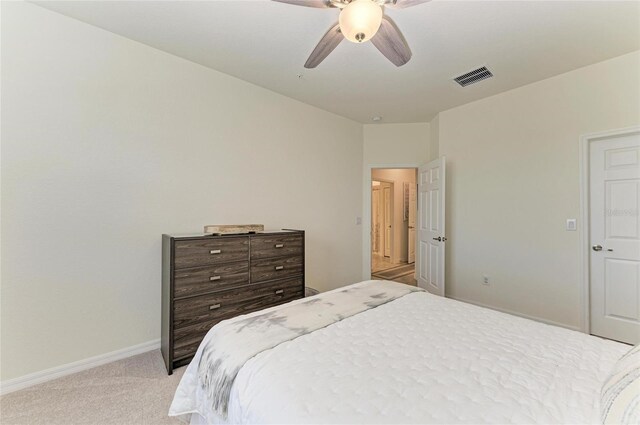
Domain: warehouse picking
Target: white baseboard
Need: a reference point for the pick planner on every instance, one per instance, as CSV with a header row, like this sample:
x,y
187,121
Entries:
x,y
515,313
11,385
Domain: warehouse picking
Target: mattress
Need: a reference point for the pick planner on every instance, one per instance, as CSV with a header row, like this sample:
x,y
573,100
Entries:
x,y
418,359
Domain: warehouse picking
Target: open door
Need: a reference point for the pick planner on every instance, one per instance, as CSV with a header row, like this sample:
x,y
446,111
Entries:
x,y
431,237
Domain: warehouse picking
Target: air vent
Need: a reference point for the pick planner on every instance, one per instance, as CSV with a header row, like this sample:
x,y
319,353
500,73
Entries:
x,y
473,76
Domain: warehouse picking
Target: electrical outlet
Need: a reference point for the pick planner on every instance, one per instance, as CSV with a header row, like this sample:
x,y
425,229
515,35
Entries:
x,y
485,279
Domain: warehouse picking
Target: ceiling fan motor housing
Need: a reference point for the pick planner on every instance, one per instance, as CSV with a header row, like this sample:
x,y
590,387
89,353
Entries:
x,y
360,20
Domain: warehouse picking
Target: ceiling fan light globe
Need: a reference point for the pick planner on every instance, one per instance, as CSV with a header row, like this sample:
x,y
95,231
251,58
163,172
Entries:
x,y
360,20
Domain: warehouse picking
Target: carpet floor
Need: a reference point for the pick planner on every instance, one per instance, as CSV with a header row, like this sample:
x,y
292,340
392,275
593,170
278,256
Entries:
x,y
136,390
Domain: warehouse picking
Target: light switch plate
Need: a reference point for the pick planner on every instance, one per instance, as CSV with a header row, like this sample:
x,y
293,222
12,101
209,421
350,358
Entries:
x,y
572,224
358,221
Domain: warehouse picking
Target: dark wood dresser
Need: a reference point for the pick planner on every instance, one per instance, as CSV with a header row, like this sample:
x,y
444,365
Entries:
x,y
206,279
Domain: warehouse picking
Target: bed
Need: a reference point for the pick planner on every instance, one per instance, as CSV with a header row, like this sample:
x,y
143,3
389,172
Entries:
x,y
417,358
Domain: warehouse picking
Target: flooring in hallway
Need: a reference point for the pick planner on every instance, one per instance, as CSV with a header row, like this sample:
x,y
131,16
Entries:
x,y
383,268
379,262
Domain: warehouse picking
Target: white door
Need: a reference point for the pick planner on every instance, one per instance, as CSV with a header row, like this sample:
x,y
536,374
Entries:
x,y
375,220
413,209
614,179
431,238
386,196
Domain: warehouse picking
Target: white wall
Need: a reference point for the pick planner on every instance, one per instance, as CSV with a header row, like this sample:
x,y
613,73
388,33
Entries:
x,y
388,146
397,176
107,144
513,180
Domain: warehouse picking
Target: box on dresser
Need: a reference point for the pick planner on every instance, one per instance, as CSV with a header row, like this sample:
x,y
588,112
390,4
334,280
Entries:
x,y
210,278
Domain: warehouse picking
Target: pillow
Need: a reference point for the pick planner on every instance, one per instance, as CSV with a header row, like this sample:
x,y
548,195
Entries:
x,y
620,396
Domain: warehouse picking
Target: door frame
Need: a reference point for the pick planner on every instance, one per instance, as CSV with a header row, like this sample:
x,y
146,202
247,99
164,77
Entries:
x,y
584,218
366,214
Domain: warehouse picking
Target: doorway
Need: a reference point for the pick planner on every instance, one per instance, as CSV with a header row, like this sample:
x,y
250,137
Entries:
x,y
393,216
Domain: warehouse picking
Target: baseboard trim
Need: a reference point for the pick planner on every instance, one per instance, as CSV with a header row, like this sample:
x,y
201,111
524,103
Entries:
x,y
515,313
26,381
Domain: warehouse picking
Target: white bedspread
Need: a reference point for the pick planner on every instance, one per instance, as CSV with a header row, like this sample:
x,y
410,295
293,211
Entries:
x,y
418,359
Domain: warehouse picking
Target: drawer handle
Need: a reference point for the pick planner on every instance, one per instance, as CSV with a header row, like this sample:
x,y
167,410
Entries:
x,y
214,278
279,267
215,251
280,292
214,307
279,245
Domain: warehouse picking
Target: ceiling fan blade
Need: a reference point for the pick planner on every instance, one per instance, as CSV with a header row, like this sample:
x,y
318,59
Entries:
x,y
403,4
308,3
391,43
330,41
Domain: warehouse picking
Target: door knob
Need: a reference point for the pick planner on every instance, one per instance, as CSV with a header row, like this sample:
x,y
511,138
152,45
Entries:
x,y
439,239
597,247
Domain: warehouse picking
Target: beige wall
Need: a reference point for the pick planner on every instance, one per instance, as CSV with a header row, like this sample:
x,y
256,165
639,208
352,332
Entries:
x,y
434,138
513,180
398,177
107,144
394,144
388,145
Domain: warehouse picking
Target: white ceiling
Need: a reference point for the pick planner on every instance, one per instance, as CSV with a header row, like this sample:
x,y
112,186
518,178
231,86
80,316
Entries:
x,y
267,43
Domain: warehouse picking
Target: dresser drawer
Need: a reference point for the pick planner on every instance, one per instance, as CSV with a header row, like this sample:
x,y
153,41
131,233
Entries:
x,y
276,246
198,281
220,305
202,252
186,340
275,268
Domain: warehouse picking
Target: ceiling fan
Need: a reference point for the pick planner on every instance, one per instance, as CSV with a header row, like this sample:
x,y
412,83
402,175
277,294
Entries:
x,y
359,21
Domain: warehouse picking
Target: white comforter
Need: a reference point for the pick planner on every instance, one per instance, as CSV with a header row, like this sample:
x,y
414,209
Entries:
x,y
418,359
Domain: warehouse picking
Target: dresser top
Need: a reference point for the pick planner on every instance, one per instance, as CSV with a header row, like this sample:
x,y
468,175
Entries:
x,y
209,235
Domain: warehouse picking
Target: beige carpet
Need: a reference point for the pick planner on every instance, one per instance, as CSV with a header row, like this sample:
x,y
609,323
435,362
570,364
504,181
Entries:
x,y
136,390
